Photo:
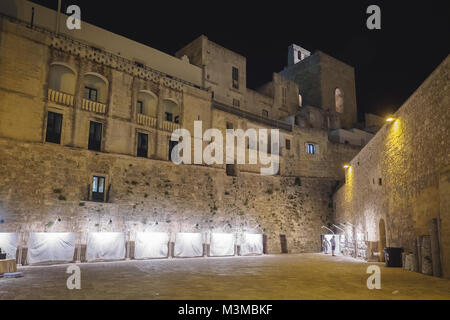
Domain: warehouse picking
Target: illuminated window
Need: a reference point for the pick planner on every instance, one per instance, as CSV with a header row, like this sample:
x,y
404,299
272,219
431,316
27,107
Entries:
x,y
339,100
98,188
311,148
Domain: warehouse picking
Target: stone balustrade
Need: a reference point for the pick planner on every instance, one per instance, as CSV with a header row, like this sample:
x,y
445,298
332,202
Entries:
x,y
60,97
93,106
145,120
170,126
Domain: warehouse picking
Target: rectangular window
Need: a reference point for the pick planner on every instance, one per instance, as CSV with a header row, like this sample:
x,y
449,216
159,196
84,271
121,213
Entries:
x,y
140,106
172,145
284,96
90,93
265,114
288,144
235,76
236,103
311,148
169,116
98,189
142,146
54,124
95,136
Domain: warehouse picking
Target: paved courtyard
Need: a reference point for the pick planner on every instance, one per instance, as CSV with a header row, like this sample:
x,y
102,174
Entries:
x,y
293,276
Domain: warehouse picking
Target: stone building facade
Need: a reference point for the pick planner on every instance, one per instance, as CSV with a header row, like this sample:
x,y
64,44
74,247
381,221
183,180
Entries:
x,y
76,107
396,192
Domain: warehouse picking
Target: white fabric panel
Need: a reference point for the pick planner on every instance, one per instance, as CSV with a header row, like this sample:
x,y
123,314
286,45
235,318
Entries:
x,y
222,244
188,245
8,244
151,245
251,244
51,246
105,246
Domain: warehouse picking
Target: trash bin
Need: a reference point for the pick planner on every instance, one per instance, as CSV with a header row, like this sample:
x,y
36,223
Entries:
x,y
393,257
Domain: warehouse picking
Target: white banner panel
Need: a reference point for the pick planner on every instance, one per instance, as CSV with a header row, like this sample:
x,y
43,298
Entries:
x,y
251,244
105,246
222,244
8,244
51,246
188,245
151,245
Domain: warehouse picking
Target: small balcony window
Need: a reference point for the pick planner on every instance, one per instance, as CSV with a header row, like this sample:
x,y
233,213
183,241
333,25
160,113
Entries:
x,y
90,93
169,116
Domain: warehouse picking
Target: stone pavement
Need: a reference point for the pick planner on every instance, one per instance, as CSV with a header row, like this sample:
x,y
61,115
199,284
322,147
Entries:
x,y
290,276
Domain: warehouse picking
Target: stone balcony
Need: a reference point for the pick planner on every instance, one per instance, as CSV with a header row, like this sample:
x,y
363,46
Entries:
x,y
93,106
170,126
145,120
60,97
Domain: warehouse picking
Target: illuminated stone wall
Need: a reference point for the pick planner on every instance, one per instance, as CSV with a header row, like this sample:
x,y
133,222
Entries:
x,y
396,177
40,183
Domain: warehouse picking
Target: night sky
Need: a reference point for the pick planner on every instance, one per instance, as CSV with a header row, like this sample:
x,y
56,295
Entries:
x,y
389,63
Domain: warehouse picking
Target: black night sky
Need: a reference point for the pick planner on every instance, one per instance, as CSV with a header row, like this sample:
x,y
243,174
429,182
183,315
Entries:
x,y
389,63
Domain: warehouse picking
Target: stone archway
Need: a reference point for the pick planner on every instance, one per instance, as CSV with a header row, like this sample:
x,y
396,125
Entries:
x,y
381,238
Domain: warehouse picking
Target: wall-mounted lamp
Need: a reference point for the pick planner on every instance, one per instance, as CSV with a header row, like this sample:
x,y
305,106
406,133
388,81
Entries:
x,y
390,119
347,166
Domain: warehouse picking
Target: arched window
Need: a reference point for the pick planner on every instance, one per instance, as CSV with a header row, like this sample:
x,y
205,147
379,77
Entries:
x,y
172,111
339,100
62,79
146,103
95,88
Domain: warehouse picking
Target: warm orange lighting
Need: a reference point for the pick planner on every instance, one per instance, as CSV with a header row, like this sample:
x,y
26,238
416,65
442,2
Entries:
x,y
390,119
347,166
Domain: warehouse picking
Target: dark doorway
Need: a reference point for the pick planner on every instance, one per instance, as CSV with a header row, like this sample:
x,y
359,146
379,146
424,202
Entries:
x,y
95,136
283,242
172,145
142,145
54,124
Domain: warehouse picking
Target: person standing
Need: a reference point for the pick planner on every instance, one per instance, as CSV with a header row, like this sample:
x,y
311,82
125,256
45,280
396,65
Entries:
x,y
333,245
325,245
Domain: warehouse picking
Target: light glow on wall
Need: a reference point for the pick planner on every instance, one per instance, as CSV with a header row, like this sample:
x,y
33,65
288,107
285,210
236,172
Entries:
x,y
151,245
51,246
222,244
188,245
105,246
252,244
8,244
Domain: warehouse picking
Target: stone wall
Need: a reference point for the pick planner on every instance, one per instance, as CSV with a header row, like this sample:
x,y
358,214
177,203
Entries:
x,y
396,177
40,183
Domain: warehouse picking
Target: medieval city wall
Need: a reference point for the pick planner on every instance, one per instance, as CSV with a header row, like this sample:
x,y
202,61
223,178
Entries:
x,y
400,175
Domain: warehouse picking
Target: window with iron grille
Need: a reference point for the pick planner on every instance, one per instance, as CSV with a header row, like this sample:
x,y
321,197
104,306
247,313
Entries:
x,y
311,148
54,125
